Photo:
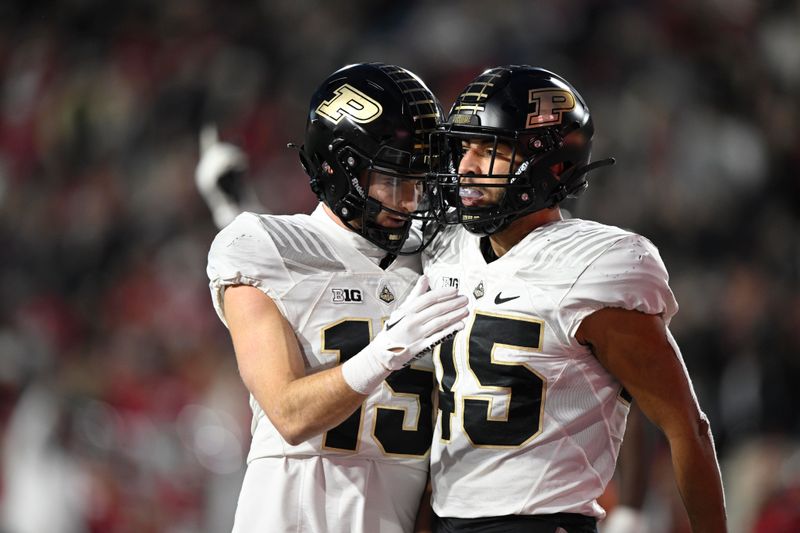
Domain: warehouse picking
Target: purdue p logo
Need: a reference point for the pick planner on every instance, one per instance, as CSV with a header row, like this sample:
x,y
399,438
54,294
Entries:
x,y
548,105
351,102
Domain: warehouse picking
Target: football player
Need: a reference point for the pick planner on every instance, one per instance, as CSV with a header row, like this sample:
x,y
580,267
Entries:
x,y
568,322
342,409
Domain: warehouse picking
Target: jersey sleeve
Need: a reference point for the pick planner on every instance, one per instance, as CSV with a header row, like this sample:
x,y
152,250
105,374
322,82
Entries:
x,y
629,275
243,253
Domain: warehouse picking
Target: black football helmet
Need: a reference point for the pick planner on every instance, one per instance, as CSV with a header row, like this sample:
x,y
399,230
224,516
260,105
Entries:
x,y
546,125
367,144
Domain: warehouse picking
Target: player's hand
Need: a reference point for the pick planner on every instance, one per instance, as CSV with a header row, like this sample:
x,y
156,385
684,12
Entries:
x,y
424,320
219,177
623,519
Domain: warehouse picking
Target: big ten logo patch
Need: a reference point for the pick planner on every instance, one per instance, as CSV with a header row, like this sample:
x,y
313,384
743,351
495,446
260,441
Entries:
x,y
347,296
449,282
349,101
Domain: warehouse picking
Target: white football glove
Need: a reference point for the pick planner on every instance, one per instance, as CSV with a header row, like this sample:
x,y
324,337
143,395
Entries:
x,y
219,177
426,318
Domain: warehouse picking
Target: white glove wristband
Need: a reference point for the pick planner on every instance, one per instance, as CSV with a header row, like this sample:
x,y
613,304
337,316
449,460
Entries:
x,y
363,372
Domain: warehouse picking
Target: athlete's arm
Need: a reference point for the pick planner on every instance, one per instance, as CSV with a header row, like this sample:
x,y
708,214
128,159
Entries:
x,y
639,351
302,406
631,477
272,369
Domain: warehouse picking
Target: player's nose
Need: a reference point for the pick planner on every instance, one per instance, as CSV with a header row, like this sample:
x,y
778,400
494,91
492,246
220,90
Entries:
x,y
409,197
470,163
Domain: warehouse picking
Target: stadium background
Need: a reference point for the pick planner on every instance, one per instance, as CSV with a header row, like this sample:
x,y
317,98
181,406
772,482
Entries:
x,y
120,407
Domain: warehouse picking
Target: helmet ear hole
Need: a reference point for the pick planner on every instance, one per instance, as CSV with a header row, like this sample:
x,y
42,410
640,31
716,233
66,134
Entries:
x,y
559,168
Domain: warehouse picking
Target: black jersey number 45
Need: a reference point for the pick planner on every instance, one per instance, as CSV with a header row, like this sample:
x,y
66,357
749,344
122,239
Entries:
x,y
523,388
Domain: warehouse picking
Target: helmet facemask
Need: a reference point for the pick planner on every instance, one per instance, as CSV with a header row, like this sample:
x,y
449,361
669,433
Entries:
x,y
383,200
526,173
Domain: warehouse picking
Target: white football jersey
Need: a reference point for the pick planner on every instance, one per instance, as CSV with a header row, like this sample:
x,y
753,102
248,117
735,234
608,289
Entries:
x,y
529,421
326,282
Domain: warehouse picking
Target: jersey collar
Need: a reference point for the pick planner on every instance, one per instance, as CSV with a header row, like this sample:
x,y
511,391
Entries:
x,y
367,249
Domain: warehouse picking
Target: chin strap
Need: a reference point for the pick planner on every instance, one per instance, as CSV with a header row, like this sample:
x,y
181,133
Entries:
x,y
607,162
582,171
571,184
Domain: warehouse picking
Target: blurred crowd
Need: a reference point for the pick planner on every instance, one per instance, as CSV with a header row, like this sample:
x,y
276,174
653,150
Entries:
x,y
120,406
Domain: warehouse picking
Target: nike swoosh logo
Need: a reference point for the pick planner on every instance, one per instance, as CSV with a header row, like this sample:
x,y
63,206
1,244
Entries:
x,y
500,300
393,324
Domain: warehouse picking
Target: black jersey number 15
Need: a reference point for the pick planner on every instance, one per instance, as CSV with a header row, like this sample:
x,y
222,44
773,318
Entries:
x,y
350,336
